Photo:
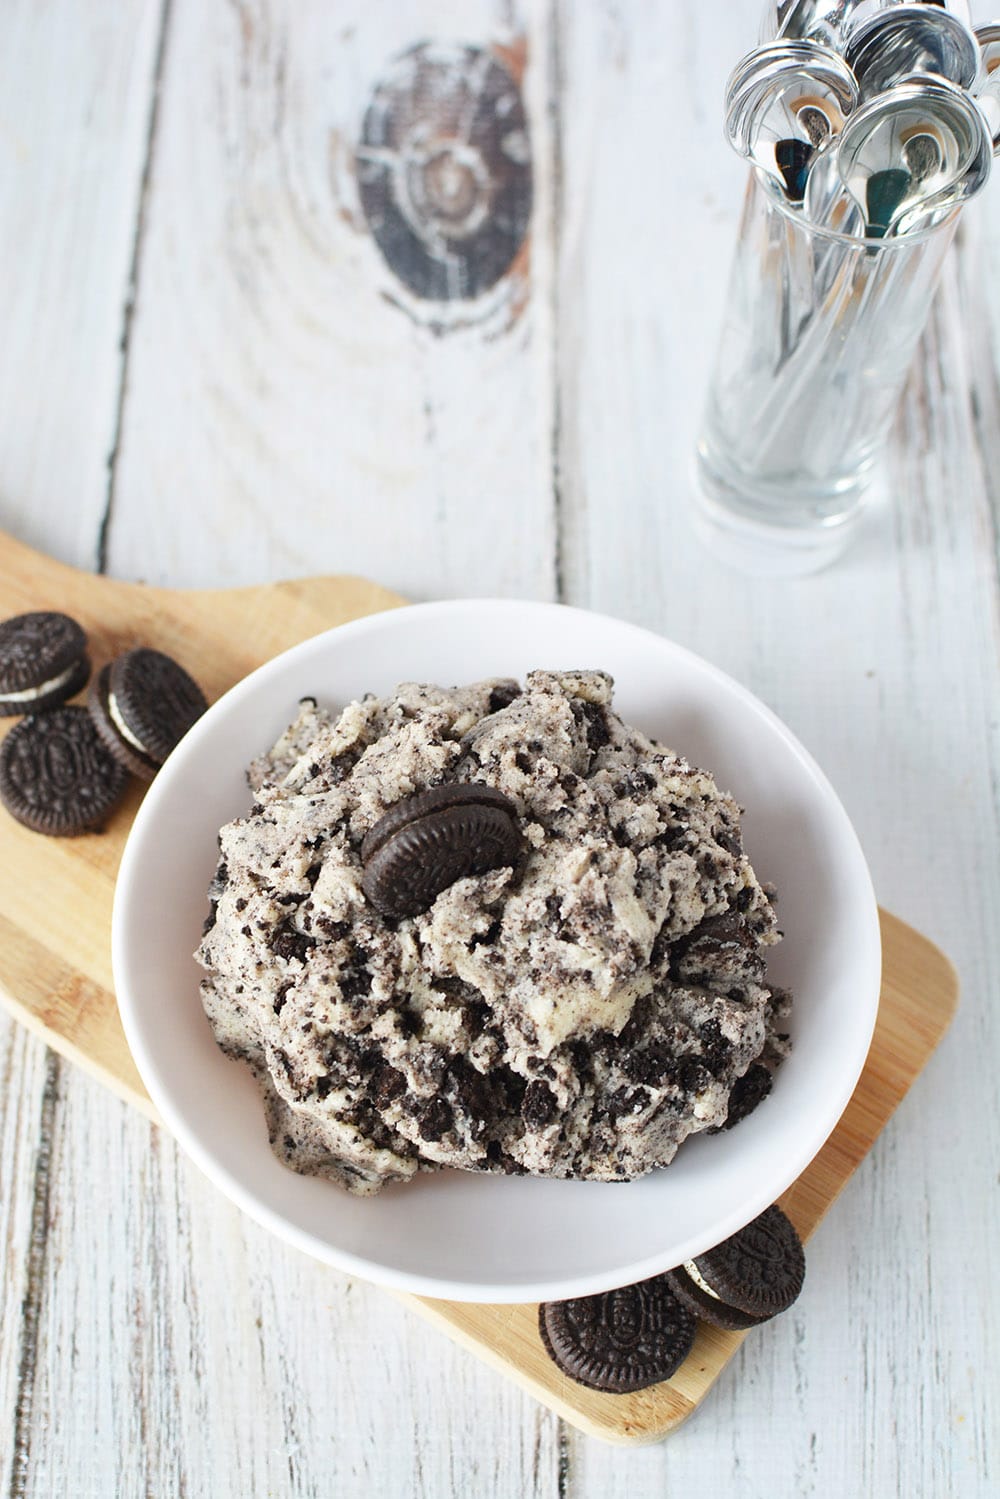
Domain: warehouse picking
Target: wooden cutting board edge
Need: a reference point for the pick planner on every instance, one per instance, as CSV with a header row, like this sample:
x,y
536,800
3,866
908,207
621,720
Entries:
x,y
73,1009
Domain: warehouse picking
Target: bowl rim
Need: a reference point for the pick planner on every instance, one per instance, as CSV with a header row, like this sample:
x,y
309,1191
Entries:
x,y
808,1142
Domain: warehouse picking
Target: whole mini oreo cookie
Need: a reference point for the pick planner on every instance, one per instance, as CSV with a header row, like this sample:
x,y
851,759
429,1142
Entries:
x,y
429,840
142,705
55,774
43,661
621,1340
748,1278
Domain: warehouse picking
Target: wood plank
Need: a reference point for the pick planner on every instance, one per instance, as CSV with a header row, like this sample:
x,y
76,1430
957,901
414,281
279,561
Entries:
x,y
74,113
258,1380
22,1087
248,307
75,85
292,404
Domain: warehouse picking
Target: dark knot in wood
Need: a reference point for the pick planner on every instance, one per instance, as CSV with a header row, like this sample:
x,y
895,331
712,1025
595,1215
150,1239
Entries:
x,y
444,170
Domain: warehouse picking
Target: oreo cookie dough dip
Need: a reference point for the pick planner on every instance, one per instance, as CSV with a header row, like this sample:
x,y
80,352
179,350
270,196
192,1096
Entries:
x,y
488,928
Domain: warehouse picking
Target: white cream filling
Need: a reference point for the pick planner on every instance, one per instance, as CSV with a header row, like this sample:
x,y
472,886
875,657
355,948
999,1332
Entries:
x,y
122,726
692,1269
31,693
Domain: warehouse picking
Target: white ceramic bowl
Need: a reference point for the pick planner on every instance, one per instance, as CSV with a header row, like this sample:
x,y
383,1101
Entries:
x,y
480,1237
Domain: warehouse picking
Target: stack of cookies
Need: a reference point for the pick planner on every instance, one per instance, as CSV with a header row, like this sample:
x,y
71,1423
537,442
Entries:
x,y
637,1336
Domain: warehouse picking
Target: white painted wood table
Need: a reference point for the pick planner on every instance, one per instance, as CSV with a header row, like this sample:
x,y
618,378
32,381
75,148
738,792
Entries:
x,y
210,373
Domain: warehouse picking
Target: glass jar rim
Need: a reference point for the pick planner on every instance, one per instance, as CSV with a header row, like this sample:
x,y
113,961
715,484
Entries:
x,y
891,243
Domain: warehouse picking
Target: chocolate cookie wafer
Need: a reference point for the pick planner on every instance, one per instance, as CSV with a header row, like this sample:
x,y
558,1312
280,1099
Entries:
x,y
143,704
620,1340
748,1278
55,774
43,661
429,840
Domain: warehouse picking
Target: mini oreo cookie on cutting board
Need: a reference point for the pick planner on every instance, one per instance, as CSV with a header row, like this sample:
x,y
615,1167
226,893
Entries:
x,y
143,704
56,776
621,1340
43,661
748,1278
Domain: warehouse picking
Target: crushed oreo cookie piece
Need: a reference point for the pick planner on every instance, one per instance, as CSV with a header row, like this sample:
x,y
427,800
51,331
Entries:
x,y
746,1094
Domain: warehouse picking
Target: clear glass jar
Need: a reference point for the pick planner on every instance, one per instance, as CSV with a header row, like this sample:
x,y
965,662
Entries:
x,y
818,335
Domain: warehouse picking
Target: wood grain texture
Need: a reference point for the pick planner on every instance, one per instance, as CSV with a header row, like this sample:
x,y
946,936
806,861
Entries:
x,y
425,483
236,1392
885,1382
75,93
56,939
23,1076
325,418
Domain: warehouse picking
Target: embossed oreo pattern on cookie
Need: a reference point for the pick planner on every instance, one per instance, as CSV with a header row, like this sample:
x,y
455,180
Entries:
x,y
748,1278
620,1340
143,704
157,699
43,661
56,776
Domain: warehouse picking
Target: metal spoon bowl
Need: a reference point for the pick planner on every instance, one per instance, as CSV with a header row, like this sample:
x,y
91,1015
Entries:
x,y
920,147
823,21
941,204
909,40
988,38
783,102
830,21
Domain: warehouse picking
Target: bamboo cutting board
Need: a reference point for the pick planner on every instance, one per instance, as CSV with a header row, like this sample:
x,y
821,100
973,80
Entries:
x,y
55,960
